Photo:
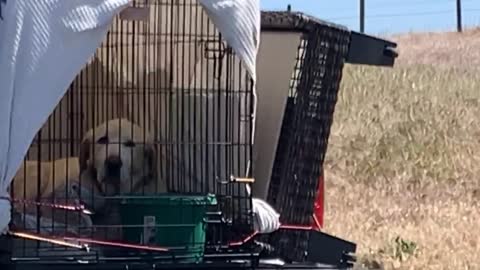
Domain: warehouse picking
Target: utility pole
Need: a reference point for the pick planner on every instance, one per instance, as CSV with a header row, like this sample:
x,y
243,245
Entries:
x,y
362,16
459,15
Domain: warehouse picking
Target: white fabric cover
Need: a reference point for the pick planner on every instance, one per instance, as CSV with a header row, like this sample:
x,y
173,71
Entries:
x,y
239,22
45,43
266,219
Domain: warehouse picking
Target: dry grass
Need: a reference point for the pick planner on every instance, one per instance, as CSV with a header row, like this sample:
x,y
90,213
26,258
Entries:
x,y
403,165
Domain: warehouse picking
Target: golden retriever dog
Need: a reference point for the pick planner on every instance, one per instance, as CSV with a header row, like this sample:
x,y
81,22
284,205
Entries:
x,y
51,175
55,222
116,157
58,220
53,182
122,157
46,181
60,184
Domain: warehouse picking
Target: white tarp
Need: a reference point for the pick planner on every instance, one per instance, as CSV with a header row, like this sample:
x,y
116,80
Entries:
x,y
45,43
239,23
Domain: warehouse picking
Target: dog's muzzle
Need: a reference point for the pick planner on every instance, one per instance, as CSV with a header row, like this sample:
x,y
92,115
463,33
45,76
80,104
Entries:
x,y
113,165
111,181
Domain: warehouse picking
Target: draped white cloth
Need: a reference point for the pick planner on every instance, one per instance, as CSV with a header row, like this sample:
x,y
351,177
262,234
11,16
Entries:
x,y
45,43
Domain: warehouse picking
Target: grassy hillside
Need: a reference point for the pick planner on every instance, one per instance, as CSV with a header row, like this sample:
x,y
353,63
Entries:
x,y
403,168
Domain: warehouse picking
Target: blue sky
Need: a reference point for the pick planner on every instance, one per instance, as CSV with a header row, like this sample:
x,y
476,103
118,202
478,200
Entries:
x,y
387,16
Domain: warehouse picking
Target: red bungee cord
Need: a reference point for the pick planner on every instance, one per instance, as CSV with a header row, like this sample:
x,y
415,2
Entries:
x,y
83,242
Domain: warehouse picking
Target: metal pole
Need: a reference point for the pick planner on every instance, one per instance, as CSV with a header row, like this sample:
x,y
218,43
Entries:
x,y
459,15
362,16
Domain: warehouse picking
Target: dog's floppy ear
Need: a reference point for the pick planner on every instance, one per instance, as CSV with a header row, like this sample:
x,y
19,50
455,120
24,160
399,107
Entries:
x,y
85,148
151,157
151,160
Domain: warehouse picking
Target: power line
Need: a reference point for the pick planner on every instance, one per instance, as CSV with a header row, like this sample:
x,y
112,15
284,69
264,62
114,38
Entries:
x,y
411,14
413,2
382,5
373,6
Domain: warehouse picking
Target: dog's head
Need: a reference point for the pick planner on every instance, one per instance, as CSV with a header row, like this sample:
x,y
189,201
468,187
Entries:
x,y
120,155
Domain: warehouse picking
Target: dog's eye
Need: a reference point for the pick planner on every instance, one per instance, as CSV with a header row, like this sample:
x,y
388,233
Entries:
x,y
103,140
129,144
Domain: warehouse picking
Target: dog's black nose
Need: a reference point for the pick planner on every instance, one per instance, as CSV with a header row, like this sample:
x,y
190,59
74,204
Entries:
x,y
113,163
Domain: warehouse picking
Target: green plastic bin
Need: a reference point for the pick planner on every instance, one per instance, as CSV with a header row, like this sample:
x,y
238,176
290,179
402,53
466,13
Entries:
x,y
175,222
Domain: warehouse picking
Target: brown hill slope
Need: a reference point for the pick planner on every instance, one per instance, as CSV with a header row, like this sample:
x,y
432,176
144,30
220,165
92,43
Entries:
x,y
444,49
403,164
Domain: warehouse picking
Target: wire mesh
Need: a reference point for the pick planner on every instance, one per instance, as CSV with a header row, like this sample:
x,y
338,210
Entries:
x,y
163,106
306,124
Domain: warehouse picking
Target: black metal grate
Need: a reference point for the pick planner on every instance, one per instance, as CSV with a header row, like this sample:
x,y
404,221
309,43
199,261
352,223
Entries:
x,y
174,77
306,124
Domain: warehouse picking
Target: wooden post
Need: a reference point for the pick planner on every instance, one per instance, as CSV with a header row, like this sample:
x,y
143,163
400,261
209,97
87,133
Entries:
x,y
362,16
459,15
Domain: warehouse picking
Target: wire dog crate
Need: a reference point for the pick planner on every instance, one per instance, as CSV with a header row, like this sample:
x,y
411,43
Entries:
x,y
309,110
163,106
323,50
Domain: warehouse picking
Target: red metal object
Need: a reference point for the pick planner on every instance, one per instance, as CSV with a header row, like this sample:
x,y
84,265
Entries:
x,y
319,206
69,207
317,224
66,241
116,244
318,213
283,226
